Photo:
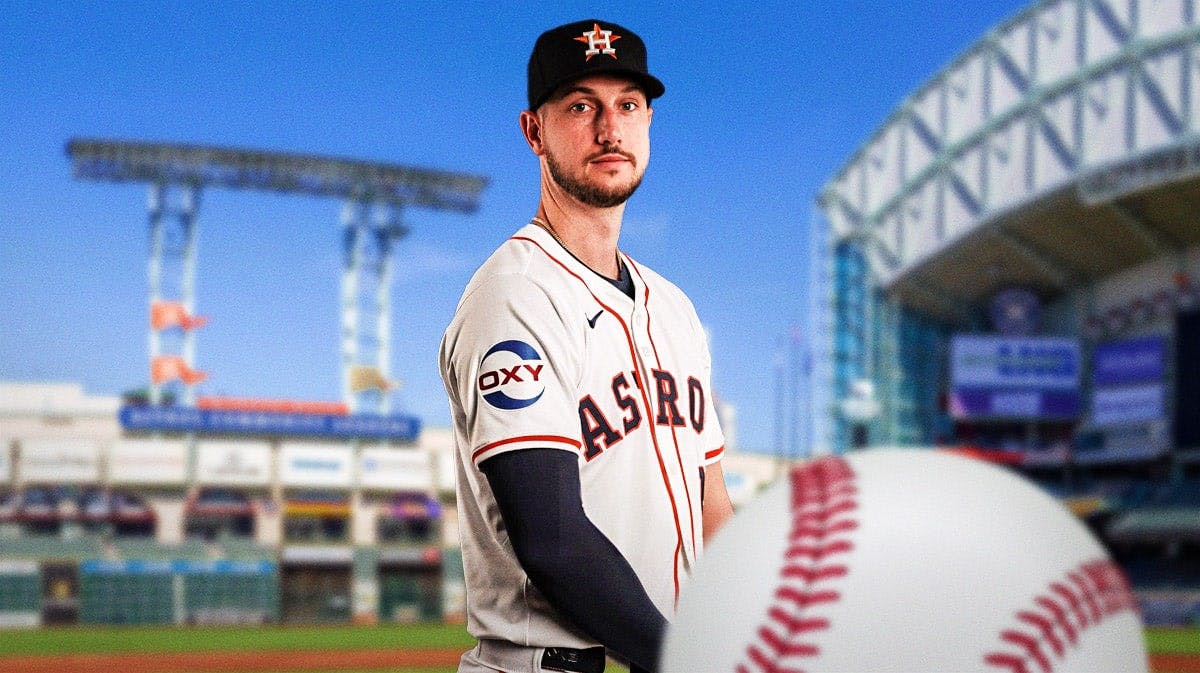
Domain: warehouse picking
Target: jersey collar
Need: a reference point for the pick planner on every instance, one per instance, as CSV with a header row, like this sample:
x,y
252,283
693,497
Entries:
x,y
595,282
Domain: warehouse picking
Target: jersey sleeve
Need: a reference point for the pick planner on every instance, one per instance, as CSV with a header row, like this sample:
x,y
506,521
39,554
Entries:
x,y
512,369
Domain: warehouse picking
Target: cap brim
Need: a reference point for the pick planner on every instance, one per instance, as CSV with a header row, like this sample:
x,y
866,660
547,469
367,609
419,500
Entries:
x,y
649,83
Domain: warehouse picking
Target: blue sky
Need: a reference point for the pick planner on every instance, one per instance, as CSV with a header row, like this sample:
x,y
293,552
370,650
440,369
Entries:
x,y
765,102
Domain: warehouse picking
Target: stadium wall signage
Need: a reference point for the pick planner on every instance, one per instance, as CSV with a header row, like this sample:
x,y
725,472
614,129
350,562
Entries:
x,y
188,419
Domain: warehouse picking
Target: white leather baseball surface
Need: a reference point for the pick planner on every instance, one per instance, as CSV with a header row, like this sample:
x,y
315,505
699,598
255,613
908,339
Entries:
x,y
905,560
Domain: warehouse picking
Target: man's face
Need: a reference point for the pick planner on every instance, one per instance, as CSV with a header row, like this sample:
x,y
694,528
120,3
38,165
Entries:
x,y
595,136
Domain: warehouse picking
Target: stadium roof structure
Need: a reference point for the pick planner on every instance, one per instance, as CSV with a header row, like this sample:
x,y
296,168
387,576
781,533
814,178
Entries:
x,y
196,165
375,195
1061,148
1156,524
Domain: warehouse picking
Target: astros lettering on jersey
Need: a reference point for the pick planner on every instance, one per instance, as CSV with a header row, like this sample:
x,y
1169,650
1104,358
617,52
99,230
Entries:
x,y
544,353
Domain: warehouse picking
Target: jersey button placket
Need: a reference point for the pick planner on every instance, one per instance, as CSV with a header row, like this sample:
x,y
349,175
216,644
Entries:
x,y
642,335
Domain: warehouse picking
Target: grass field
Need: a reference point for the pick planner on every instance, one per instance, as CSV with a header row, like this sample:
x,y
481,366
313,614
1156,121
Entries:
x,y
69,641
111,639
1173,641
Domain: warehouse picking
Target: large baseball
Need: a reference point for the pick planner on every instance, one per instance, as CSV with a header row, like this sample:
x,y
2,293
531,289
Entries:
x,y
905,560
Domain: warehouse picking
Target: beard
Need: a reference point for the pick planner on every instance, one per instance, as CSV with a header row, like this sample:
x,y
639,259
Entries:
x,y
592,195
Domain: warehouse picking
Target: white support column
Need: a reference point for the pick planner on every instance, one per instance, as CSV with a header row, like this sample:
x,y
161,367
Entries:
x,y
187,222
390,230
154,206
351,222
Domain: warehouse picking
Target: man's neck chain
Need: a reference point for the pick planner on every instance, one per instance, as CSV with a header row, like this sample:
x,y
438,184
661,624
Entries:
x,y
550,230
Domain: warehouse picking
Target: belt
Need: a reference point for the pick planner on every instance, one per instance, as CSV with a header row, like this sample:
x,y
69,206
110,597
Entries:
x,y
590,660
511,656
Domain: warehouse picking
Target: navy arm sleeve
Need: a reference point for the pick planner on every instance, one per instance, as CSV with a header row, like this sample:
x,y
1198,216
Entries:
x,y
568,559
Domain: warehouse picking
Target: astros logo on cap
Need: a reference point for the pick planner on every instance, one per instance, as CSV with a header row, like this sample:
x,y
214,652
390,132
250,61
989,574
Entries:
x,y
599,42
510,375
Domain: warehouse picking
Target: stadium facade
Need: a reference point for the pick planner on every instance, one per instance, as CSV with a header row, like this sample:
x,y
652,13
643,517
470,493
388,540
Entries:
x,y
245,511
105,522
167,506
1010,264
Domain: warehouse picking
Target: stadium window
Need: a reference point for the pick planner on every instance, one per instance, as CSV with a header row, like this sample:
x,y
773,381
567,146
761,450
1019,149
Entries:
x,y
315,529
9,503
316,516
40,511
214,513
130,515
300,529
409,518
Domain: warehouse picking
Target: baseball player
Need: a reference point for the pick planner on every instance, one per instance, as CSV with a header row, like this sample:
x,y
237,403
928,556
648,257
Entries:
x,y
579,382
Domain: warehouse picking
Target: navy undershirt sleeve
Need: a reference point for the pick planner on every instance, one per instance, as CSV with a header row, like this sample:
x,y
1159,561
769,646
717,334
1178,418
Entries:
x,y
579,570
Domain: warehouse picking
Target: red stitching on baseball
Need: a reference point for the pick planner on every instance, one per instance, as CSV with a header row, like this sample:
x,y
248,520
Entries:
x,y
1099,585
822,503
818,552
1089,599
797,624
1061,619
813,575
1014,663
782,647
812,529
802,598
824,515
1030,645
1045,626
1073,601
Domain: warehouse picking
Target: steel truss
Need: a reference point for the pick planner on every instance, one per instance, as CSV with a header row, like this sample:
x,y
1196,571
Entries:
x,y
1084,101
375,195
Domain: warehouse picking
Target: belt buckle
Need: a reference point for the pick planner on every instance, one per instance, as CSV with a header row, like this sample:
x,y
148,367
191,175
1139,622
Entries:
x,y
568,659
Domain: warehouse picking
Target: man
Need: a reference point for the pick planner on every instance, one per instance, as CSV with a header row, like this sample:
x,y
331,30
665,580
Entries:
x,y
579,383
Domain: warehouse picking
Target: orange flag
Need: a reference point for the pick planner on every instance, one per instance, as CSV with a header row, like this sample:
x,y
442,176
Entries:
x,y
365,378
172,367
165,314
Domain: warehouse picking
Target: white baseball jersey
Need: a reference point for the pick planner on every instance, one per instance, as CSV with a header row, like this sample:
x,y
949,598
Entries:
x,y
545,353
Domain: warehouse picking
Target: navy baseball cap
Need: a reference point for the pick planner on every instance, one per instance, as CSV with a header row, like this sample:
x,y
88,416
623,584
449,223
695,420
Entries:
x,y
584,48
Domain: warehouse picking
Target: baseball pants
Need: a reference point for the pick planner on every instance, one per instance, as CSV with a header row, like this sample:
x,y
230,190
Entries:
x,y
490,656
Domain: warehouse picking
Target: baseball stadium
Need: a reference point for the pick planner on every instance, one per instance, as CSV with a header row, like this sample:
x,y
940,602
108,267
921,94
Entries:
x,y
1009,267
